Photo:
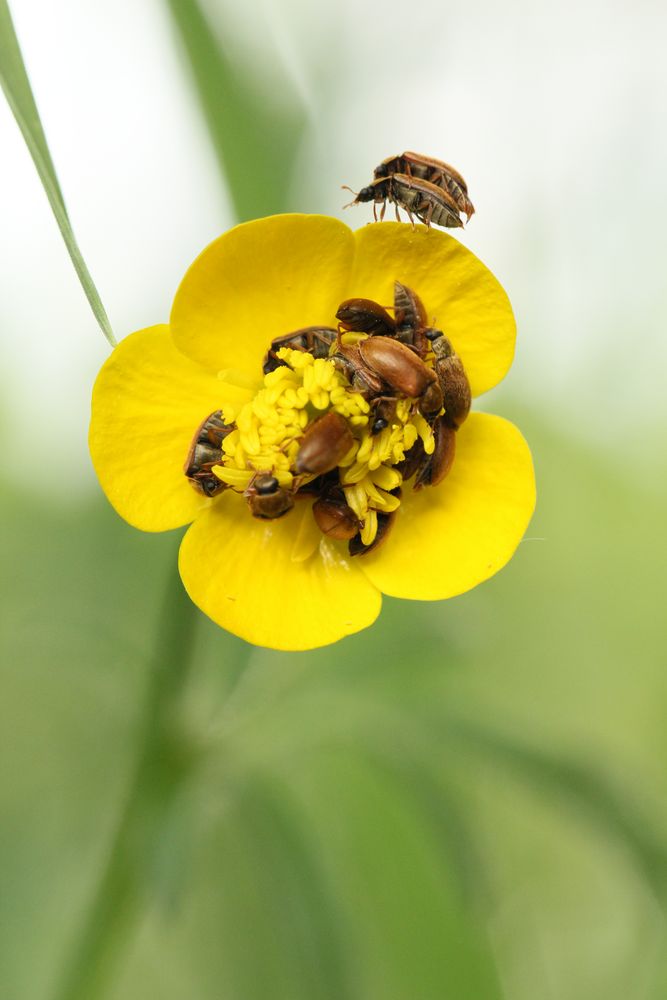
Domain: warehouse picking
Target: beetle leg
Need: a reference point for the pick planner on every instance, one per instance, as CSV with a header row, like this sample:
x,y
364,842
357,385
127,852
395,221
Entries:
x,y
384,209
429,214
375,211
410,218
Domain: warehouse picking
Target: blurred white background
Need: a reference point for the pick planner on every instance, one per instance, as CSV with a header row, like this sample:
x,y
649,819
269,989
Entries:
x,y
554,116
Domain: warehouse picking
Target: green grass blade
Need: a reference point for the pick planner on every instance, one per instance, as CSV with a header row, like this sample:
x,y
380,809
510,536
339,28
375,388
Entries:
x,y
18,92
255,141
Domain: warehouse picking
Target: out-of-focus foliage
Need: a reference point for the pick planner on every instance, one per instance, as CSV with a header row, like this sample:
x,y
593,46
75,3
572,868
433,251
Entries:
x,y
18,92
465,801
446,805
255,128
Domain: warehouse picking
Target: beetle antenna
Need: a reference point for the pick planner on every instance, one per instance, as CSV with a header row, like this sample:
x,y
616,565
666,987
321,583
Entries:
x,y
344,187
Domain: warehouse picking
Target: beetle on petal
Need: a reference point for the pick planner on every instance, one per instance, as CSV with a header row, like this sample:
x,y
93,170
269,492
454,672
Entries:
x,y
256,284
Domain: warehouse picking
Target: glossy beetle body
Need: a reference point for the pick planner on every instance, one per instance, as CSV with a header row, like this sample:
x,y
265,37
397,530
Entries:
x,y
428,202
429,470
429,169
324,444
334,517
433,468
397,365
431,204
404,372
266,498
383,413
316,340
411,319
365,316
453,380
361,377
206,451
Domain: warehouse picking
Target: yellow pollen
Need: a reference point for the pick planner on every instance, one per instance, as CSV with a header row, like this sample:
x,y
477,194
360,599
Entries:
x,y
270,426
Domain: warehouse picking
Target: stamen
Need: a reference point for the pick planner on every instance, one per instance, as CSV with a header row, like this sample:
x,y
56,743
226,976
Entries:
x,y
264,436
370,528
269,427
386,478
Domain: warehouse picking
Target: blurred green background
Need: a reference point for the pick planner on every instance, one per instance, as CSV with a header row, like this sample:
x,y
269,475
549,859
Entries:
x,y
467,800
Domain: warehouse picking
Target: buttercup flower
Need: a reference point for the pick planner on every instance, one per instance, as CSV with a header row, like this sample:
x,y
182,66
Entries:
x,y
266,442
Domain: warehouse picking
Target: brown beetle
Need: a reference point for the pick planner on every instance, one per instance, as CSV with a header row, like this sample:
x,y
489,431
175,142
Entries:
x,y
403,372
427,201
453,380
363,379
315,340
334,517
325,442
377,192
429,169
385,521
433,468
378,364
429,470
365,316
414,459
383,413
205,452
411,319
266,498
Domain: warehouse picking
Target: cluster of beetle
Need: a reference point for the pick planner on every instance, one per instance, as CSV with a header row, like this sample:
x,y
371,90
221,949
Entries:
x,y
425,187
385,366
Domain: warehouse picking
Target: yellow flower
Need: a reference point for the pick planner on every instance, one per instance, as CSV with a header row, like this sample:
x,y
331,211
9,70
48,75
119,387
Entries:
x,y
282,583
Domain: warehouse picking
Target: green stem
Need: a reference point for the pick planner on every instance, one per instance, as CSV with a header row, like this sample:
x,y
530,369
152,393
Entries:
x,y
159,773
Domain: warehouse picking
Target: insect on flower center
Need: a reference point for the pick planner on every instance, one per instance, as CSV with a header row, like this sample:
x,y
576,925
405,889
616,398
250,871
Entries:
x,y
342,418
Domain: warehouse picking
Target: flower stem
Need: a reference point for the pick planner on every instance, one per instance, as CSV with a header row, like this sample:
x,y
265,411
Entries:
x,y
159,772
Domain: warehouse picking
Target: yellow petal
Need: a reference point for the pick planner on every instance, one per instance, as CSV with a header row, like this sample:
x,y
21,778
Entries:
x,y
449,538
239,570
258,281
148,401
461,296
305,533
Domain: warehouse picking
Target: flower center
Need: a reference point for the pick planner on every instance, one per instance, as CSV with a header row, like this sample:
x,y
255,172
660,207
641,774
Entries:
x,y
342,417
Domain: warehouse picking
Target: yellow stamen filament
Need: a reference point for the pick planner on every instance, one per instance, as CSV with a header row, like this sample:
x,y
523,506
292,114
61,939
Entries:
x,y
369,528
270,426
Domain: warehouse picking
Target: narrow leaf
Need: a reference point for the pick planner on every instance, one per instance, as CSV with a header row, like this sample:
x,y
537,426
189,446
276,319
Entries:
x,y
18,92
